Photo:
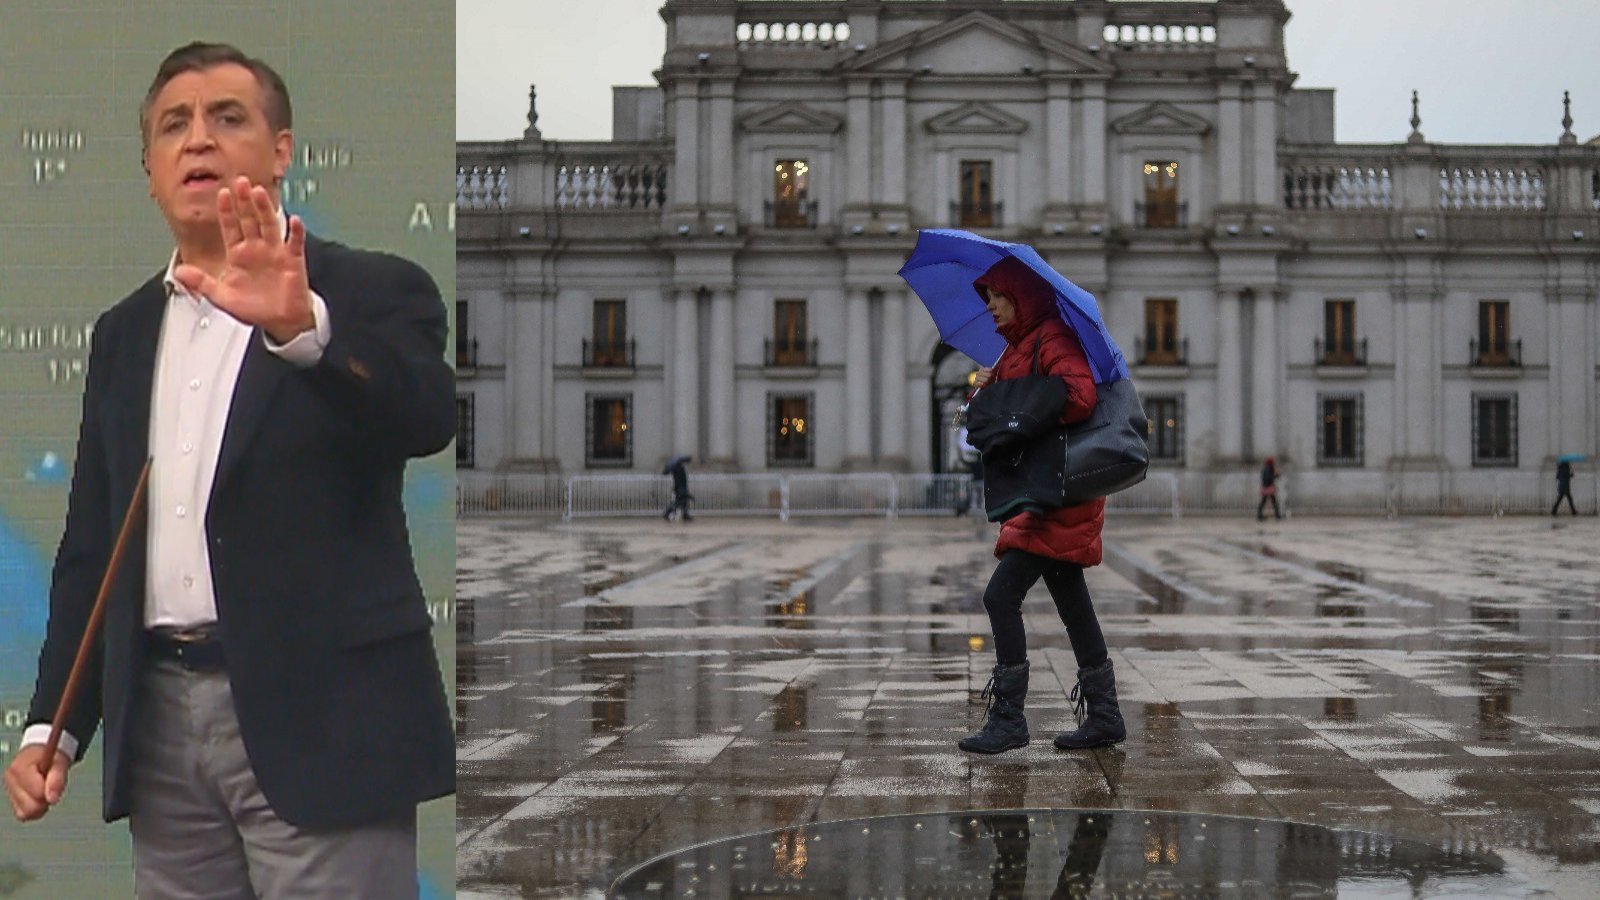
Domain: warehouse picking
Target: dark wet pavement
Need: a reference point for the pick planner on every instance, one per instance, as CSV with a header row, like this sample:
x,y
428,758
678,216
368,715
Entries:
x,y
629,689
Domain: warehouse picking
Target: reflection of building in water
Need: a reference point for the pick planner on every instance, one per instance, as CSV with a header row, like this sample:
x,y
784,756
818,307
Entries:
x,y
1498,680
1061,853
720,278
1339,709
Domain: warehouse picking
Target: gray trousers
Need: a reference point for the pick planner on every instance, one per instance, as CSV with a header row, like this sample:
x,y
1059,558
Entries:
x,y
202,829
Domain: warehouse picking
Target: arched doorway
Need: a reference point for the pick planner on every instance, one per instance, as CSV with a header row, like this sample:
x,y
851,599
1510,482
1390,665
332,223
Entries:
x,y
952,381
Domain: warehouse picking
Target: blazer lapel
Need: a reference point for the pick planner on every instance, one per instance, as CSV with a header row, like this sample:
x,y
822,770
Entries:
x,y
259,377
131,392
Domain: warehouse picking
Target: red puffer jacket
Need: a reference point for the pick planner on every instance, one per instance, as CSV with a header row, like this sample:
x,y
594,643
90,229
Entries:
x,y
1072,533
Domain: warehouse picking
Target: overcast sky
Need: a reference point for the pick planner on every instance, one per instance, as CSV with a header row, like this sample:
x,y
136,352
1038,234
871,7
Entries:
x,y
1489,71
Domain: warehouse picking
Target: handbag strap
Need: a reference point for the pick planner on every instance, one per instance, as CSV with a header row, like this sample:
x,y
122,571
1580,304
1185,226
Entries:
x,y
1037,342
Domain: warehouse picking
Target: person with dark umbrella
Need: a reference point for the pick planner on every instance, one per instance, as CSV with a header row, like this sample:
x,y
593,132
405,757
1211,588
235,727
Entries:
x,y
680,488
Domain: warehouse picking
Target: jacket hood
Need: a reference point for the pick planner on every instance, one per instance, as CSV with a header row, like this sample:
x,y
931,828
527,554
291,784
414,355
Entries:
x,y
1034,298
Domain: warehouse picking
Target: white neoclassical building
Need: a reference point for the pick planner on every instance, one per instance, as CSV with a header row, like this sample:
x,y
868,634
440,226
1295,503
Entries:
x,y
720,278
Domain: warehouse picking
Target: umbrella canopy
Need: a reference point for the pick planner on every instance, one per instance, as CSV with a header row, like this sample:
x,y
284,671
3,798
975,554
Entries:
x,y
1571,458
673,463
946,262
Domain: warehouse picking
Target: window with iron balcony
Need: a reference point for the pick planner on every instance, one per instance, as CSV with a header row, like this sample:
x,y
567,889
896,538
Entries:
x,y
789,347
976,207
466,344
1160,345
1338,345
791,205
610,348
1161,207
1494,348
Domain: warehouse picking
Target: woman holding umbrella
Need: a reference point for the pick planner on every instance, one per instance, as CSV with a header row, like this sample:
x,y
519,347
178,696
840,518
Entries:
x,y
1055,544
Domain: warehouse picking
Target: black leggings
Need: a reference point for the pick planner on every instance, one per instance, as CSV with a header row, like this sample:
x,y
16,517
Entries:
x,y
1017,572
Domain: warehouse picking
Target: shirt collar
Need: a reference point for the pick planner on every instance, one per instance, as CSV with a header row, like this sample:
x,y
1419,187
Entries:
x,y
174,288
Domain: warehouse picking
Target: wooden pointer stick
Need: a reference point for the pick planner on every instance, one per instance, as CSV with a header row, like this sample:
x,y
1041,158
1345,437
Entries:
x,y
86,646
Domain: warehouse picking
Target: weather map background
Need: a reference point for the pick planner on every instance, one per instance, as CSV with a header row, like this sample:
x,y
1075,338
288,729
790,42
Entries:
x,y
372,83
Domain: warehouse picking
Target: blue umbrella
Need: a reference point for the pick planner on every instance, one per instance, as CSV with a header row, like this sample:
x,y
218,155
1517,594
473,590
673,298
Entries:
x,y
946,262
1571,458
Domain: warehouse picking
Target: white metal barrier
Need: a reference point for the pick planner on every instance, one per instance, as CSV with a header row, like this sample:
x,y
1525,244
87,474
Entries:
x,y
1157,493
1325,492
857,494
480,493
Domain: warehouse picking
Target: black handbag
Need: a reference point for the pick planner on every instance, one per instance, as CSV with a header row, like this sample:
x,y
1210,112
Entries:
x,y
1061,465
1008,414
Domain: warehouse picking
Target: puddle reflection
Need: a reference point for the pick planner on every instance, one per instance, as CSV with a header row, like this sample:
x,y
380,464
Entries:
x,y
1066,853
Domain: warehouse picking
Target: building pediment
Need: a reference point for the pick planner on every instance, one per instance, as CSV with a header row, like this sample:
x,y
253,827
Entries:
x,y
791,118
1160,118
978,44
976,118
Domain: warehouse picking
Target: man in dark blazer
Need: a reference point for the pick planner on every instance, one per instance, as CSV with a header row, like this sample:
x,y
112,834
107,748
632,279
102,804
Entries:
x,y
273,707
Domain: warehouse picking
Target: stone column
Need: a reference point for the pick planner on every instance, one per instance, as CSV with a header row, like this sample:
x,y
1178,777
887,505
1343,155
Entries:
x,y
1230,376
1057,141
685,369
720,392
1572,397
1093,186
857,379
1417,374
1264,153
685,180
1231,143
721,167
858,143
892,400
1265,375
893,128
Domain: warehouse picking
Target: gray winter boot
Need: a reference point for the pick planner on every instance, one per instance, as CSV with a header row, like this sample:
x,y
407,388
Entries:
x,y
1007,728
1096,688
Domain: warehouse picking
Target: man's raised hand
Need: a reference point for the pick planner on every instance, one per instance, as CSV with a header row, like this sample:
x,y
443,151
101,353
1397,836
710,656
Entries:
x,y
263,281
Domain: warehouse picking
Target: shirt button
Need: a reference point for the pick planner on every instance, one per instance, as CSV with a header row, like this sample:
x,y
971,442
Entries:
x,y
182,510
188,581
194,385
188,447
205,322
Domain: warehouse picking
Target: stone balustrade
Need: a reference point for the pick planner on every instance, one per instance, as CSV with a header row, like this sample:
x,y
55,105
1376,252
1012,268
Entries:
x,y
1162,37
603,185
482,186
1349,185
815,35
1492,186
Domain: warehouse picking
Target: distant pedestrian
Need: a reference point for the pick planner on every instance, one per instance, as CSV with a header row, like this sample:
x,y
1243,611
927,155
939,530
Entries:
x,y
1269,490
680,489
1563,487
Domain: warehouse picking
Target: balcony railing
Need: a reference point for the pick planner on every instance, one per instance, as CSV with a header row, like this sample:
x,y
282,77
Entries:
x,y
1167,355
467,354
978,215
608,354
611,185
1477,179
1161,215
791,213
1339,353
1495,354
483,186
791,354
1331,186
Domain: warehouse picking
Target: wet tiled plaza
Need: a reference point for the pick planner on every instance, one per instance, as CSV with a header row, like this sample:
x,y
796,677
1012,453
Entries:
x,y
628,689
